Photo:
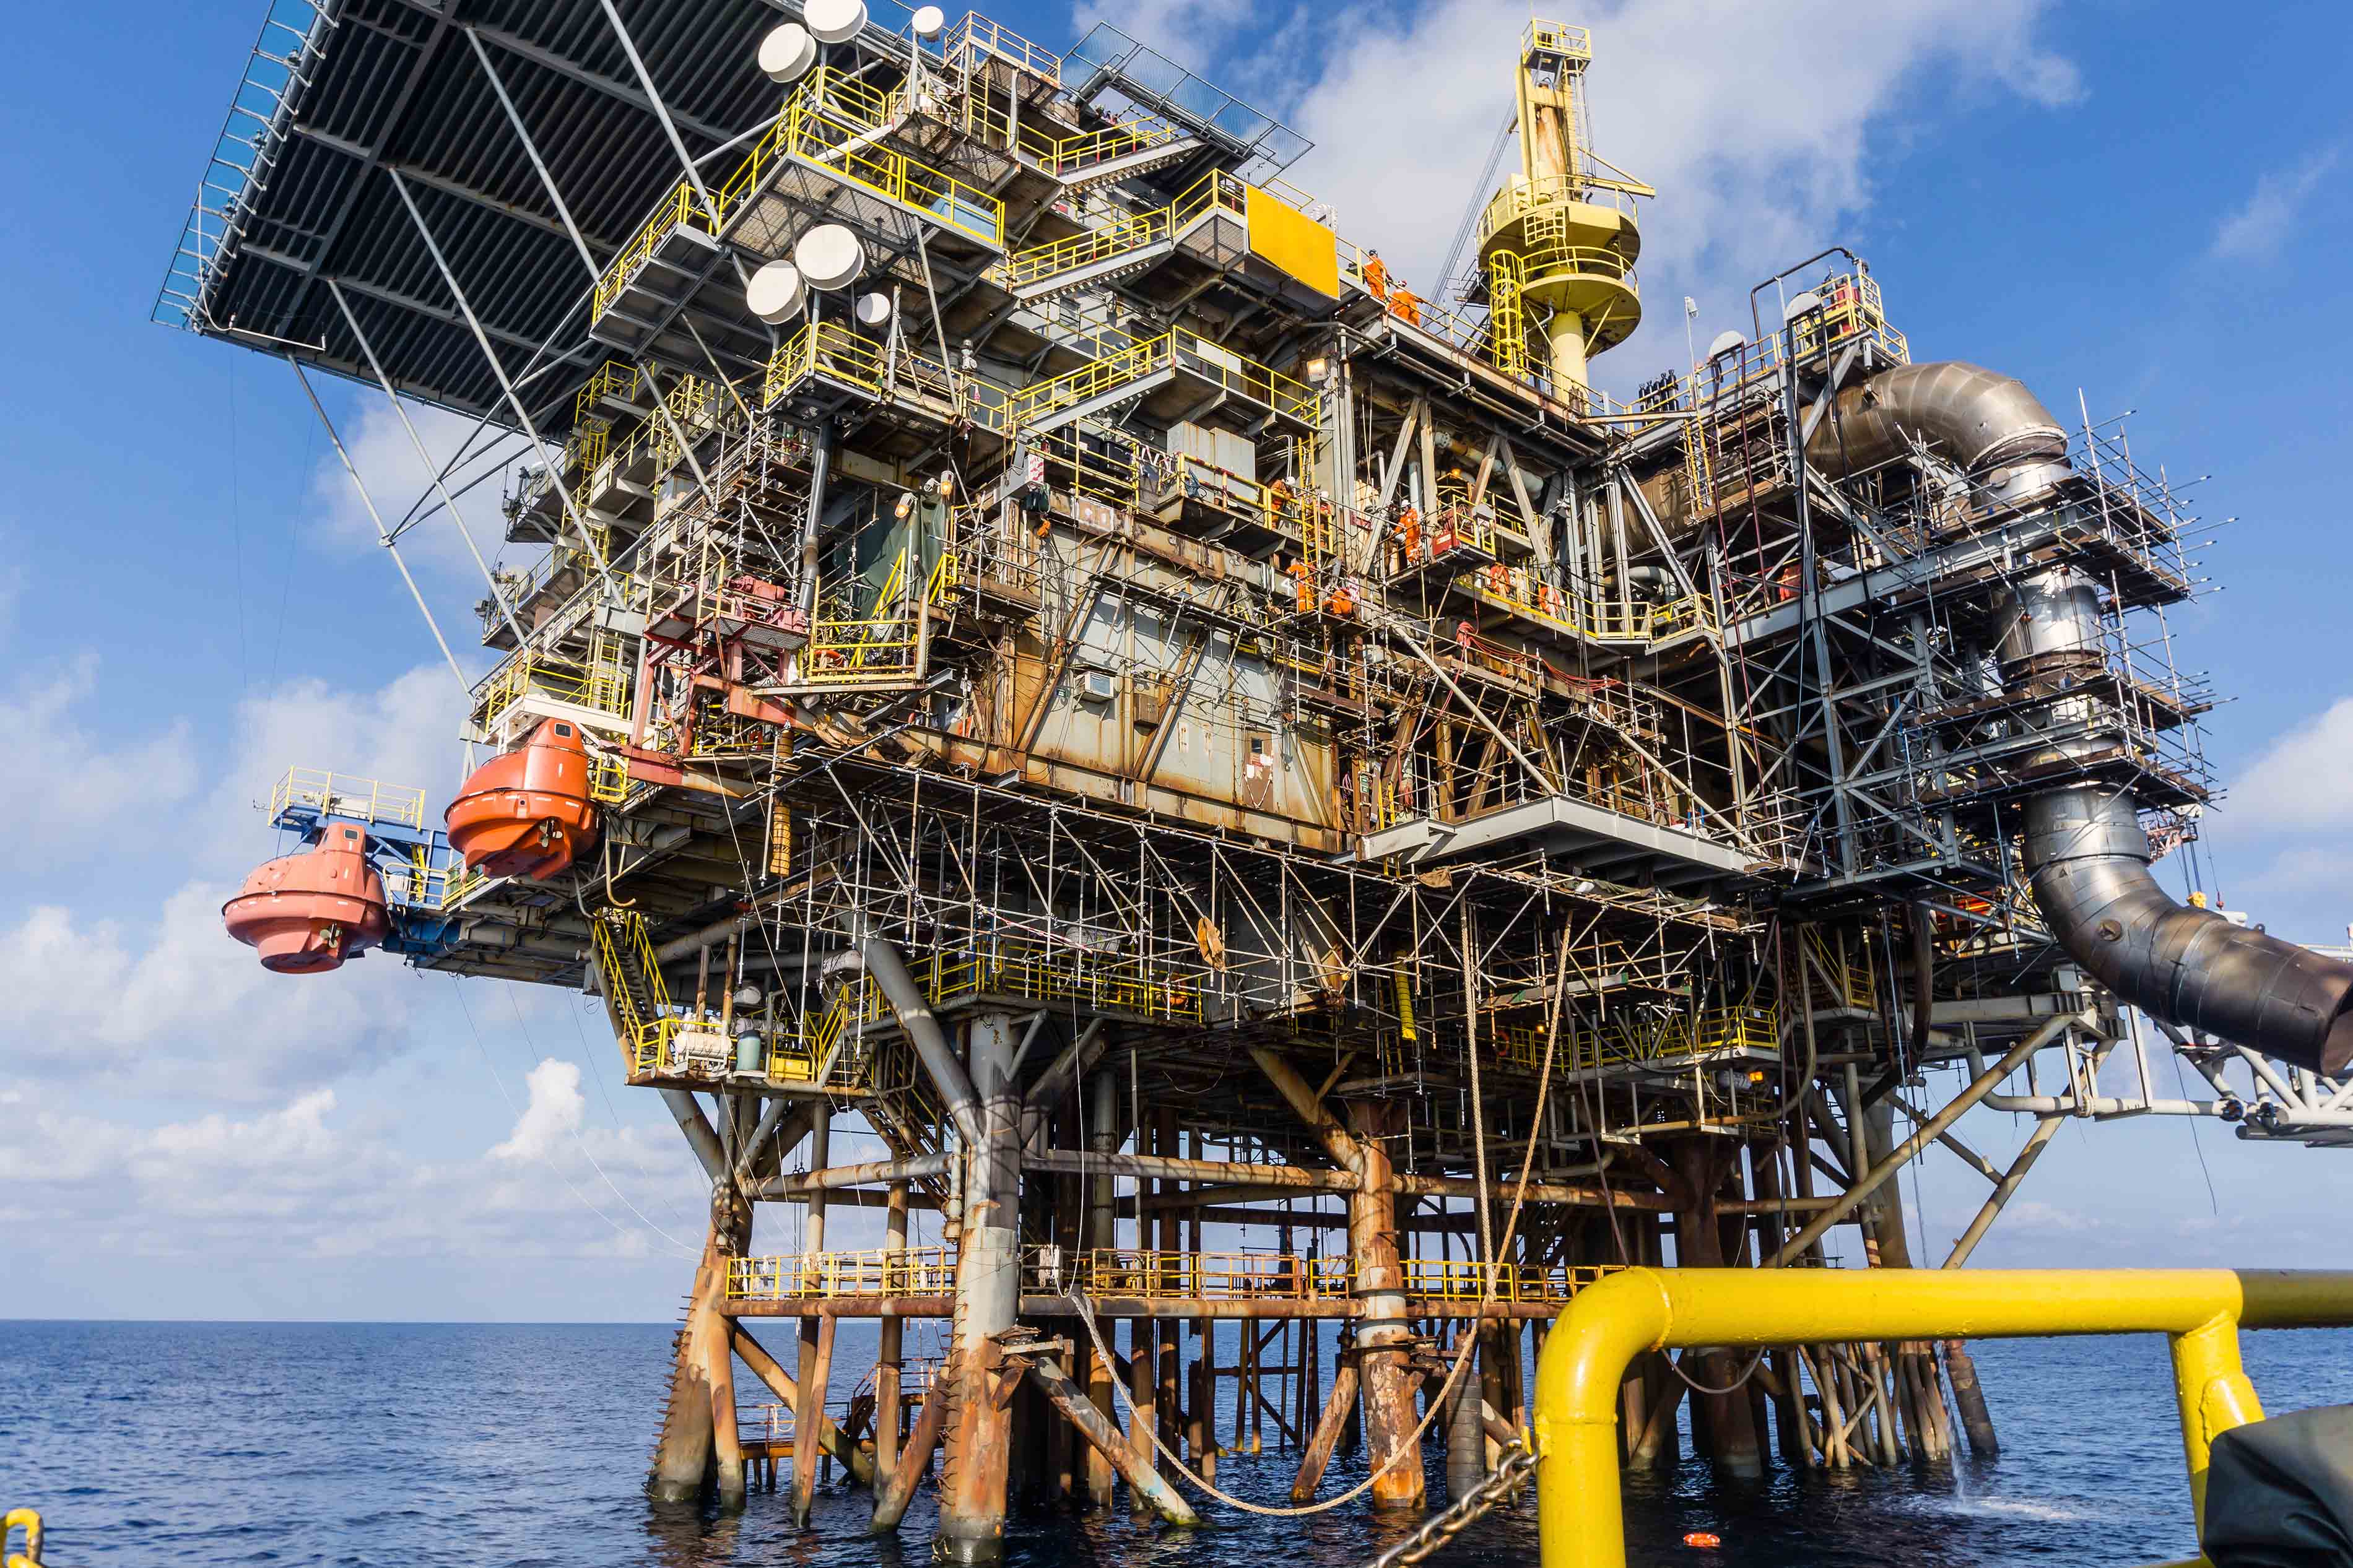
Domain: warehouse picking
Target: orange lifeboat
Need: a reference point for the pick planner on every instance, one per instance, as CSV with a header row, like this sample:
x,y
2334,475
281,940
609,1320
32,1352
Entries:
x,y
308,912
527,813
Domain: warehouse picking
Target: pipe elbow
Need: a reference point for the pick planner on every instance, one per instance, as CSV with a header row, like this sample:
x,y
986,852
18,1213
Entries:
x,y
1988,424
1586,1355
2088,861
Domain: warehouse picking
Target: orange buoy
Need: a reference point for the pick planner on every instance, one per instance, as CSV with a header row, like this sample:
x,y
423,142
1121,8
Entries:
x,y
528,812
308,912
1703,1538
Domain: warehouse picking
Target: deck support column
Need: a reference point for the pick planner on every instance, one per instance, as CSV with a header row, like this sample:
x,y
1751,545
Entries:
x,y
987,1297
1328,1428
1730,1426
1103,1219
1466,1438
889,1342
1383,1334
698,1442
816,1337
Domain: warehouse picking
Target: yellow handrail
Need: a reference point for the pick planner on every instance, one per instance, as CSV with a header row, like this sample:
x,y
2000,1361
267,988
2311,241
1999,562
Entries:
x,y
875,1271
1176,350
1216,191
976,34
1580,1520
347,795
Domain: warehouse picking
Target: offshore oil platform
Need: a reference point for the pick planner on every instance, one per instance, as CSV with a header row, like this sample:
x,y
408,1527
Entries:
x,y
1274,798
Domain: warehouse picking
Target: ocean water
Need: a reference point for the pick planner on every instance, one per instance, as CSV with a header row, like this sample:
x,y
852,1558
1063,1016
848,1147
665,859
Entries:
x,y
489,1446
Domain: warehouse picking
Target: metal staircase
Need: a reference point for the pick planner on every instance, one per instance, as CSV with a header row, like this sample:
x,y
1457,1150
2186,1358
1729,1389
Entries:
x,y
635,996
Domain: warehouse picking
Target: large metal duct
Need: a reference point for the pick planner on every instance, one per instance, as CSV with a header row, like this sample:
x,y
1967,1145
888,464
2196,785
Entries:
x,y
1988,424
2089,861
2086,853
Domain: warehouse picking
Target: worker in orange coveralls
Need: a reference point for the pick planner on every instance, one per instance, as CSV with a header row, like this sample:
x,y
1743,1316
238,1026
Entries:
x,y
1376,275
1303,591
1406,304
1409,536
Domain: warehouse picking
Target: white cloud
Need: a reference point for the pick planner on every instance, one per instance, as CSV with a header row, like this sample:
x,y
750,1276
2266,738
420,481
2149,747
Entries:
x,y
178,1007
2257,230
1188,31
2298,782
85,783
301,1180
403,732
553,1114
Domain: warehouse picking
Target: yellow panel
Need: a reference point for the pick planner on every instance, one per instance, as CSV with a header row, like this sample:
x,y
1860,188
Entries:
x,y
1289,239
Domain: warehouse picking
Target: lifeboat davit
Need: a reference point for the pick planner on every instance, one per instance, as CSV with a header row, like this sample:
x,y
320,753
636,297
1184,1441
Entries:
x,y
308,912
527,813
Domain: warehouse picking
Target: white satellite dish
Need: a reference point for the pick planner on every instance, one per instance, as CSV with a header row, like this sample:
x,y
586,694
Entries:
x,y
834,21
873,309
775,293
1808,300
830,257
1724,343
929,20
787,52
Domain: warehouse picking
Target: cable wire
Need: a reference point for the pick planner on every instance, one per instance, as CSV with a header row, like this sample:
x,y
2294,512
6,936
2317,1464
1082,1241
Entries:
x,y
1438,1402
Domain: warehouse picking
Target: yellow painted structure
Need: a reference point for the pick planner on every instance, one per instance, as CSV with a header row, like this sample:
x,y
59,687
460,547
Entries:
x,y
1289,240
28,1520
1580,1519
1557,243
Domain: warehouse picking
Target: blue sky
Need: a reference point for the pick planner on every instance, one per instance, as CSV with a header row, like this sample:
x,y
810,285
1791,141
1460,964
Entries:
x,y
2127,199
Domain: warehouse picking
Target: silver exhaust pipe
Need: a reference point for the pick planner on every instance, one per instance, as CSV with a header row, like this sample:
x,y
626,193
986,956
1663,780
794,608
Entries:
x,y
2086,857
2089,861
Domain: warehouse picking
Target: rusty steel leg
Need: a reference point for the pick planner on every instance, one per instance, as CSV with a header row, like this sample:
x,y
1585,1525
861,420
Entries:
x,y
702,1391
1466,1442
1102,1232
1329,1427
890,1341
891,1498
988,1296
1699,1244
1383,1332
1494,1384
817,1341
1147,1483
1969,1395
1143,1393
808,1412
837,1442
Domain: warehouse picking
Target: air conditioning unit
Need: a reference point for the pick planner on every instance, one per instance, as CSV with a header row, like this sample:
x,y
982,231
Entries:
x,y
1097,686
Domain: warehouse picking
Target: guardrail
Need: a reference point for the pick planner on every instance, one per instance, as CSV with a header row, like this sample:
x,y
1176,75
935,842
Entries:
x,y
1469,1281
1187,1276
1178,349
876,1272
346,794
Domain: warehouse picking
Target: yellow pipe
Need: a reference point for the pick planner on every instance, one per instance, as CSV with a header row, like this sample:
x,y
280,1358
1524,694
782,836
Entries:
x,y
30,1521
1580,1522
